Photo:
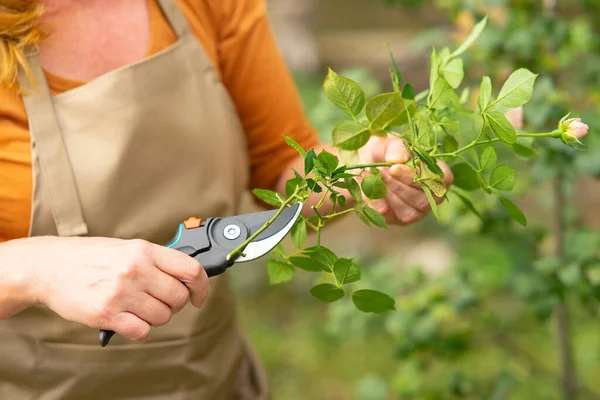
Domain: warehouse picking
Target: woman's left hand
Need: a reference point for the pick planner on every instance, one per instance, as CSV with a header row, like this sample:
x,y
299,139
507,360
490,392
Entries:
x,y
405,202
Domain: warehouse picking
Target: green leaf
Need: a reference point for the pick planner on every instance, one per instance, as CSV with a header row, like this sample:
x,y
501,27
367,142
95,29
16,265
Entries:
x,y
473,36
385,110
523,151
346,271
363,218
373,187
350,135
299,233
395,73
291,185
306,263
352,187
327,292
322,255
296,145
432,181
485,93
514,211
450,124
503,178
373,301
465,177
442,94
501,127
279,271
429,161
431,201
449,145
453,72
328,160
376,218
344,93
488,159
408,92
469,205
434,69
517,89
268,196
309,161
342,201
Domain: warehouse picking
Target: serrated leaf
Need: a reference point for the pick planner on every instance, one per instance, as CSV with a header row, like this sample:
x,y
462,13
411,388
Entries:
x,y
327,292
306,263
376,218
503,178
342,201
352,187
395,73
485,93
299,233
453,72
295,145
469,205
465,177
501,127
434,68
488,159
346,271
514,211
373,301
291,185
523,151
350,135
373,187
386,110
429,161
309,160
442,94
344,93
450,124
433,182
363,218
268,196
517,89
471,38
322,255
279,272
328,160
449,145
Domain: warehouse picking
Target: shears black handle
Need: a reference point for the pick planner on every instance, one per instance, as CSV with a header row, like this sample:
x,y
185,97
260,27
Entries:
x,y
208,242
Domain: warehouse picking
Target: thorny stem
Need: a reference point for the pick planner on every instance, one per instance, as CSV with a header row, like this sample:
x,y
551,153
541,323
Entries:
x,y
476,143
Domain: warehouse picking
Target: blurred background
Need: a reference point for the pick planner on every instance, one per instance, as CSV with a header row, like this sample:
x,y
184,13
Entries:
x,y
485,309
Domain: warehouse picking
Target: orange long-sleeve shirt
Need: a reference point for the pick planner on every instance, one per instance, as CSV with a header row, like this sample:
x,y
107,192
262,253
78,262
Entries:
x,y
237,38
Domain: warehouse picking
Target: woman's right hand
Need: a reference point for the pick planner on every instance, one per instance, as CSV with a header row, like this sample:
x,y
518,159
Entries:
x,y
127,286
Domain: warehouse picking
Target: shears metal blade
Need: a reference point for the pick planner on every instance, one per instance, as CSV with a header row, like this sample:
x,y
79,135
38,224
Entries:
x,y
211,241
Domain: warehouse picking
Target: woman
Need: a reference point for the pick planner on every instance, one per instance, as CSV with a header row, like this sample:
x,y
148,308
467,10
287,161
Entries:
x,y
121,120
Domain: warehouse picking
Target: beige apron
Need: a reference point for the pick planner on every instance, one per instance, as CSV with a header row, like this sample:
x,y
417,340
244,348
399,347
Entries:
x,y
131,155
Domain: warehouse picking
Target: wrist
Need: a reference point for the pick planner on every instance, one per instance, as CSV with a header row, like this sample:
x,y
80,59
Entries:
x,y
17,276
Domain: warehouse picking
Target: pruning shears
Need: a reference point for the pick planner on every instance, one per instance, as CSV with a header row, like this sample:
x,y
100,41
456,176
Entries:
x,y
211,241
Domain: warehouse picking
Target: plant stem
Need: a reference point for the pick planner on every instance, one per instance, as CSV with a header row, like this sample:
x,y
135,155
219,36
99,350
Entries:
x,y
337,214
476,143
374,165
569,377
241,247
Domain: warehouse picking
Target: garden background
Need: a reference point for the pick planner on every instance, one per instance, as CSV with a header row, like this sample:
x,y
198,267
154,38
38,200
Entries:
x,y
486,309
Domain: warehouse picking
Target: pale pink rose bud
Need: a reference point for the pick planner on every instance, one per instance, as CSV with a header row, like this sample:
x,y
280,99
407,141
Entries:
x,y
576,128
515,117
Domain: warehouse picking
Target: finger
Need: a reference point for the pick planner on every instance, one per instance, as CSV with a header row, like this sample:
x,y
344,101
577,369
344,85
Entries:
x,y
404,213
185,269
374,150
404,174
448,175
166,288
411,196
396,152
148,308
130,326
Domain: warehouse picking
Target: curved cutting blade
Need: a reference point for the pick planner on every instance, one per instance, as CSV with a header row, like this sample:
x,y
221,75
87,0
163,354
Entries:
x,y
267,240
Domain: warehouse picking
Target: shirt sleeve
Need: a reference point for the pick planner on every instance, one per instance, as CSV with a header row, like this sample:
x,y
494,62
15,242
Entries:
x,y
262,89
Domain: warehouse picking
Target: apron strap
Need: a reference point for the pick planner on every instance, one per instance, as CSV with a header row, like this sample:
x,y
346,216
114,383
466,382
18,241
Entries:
x,y
175,16
55,167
